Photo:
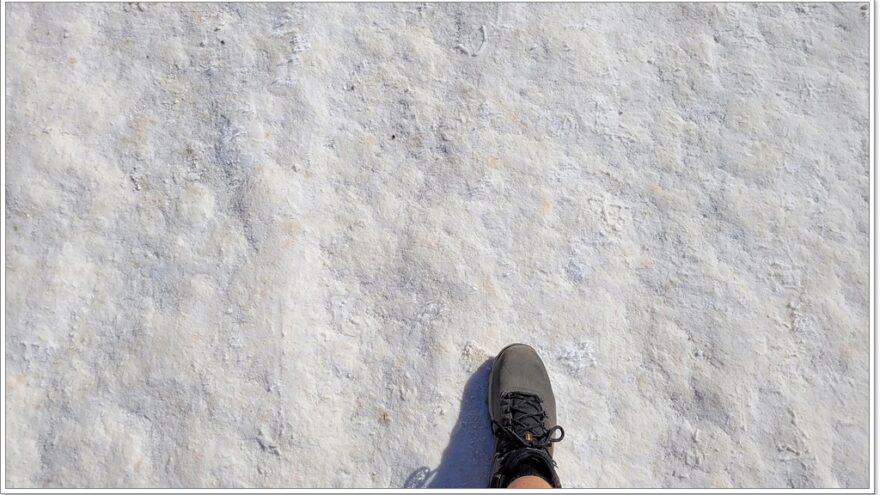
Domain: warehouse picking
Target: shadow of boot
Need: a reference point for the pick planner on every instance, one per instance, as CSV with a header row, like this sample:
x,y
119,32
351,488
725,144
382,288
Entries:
x,y
467,459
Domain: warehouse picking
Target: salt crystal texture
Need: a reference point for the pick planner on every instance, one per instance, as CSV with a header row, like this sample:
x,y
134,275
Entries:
x,y
272,245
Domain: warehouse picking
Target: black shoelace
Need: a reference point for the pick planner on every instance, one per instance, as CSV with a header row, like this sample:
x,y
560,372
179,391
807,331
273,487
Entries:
x,y
527,422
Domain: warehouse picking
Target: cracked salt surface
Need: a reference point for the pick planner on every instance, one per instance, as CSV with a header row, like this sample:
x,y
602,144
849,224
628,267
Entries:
x,y
277,245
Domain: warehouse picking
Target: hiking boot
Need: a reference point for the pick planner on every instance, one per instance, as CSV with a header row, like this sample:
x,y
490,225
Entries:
x,y
523,413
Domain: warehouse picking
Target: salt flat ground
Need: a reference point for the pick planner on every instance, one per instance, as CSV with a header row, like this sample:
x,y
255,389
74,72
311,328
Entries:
x,y
269,245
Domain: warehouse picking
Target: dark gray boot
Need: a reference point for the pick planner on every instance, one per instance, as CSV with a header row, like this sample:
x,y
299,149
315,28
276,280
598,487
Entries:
x,y
523,413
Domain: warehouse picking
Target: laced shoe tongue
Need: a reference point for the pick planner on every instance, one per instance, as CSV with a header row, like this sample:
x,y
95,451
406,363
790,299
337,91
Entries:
x,y
527,417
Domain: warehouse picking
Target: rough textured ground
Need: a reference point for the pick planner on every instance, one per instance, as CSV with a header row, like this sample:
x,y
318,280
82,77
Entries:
x,y
275,245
